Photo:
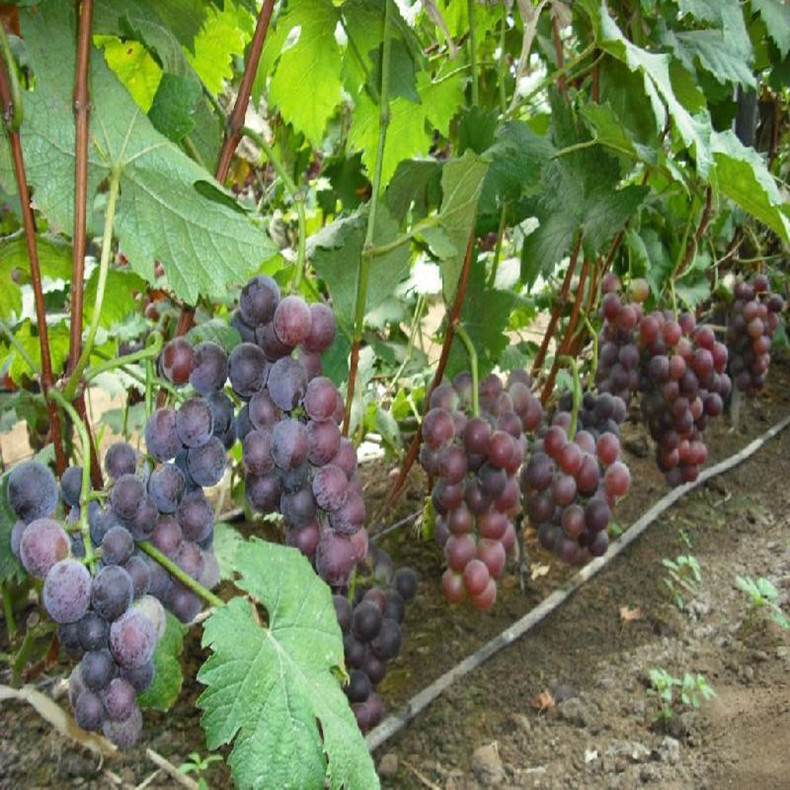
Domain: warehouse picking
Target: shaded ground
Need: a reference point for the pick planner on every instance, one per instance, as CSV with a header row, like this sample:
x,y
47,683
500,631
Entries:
x,y
596,665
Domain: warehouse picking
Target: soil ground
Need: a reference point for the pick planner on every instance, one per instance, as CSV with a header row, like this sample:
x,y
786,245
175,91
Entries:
x,y
484,731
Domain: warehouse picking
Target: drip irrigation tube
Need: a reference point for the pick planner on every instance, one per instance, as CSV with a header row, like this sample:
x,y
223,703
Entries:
x,y
394,723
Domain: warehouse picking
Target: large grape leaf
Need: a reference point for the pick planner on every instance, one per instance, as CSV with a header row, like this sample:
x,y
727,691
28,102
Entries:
x,y
694,130
28,340
776,16
742,175
716,55
273,690
166,686
203,243
134,67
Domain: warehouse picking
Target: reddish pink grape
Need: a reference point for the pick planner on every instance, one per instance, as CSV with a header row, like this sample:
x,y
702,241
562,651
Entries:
x,y
43,543
459,550
453,587
322,328
617,479
437,428
176,361
476,577
486,599
258,300
493,554
292,320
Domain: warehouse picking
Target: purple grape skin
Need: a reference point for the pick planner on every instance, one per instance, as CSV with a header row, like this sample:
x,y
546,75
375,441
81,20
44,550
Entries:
x,y
117,546
320,399
207,462
76,685
112,592
132,639
330,487
258,300
43,543
323,442
298,508
346,457
125,734
256,452
93,632
16,536
140,677
160,581
71,485
405,582
263,491
313,365
69,638
195,516
350,517
221,410
119,698
387,642
248,370
322,328
292,320
335,558
98,669
273,348
138,571
32,491
120,459
144,521
194,422
210,575
127,492
366,621
167,536
89,711
289,444
287,383
161,437
263,413
166,486
67,591
291,480
183,603
190,559
209,368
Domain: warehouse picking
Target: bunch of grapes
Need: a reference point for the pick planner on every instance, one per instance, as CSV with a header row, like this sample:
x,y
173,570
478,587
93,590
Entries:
x,y
106,619
571,484
683,382
371,629
476,495
295,460
754,318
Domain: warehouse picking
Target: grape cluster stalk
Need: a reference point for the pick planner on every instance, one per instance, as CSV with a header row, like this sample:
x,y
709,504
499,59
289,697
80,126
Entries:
x,y
753,319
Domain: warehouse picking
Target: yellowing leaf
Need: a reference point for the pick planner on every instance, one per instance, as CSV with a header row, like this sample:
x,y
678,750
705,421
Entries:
x,y
134,67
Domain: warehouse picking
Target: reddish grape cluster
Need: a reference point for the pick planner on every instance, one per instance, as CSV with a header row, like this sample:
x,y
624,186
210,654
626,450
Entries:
x,y
372,637
571,484
476,459
754,318
294,457
107,619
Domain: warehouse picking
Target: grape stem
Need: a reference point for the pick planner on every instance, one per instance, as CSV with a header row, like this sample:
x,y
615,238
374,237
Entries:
x,y
470,350
26,648
152,348
473,53
85,486
577,394
184,578
8,613
104,267
368,247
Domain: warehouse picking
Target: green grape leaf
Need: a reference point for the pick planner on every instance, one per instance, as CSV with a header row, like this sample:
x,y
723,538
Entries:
x,y
694,130
659,263
742,175
217,331
183,19
727,14
54,258
58,346
120,294
462,183
609,131
166,686
11,569
415,187
477,129
403,80
203,245
314,60
335,252
273,690
227,541
776,16
134,67
174,106
485,316
715,53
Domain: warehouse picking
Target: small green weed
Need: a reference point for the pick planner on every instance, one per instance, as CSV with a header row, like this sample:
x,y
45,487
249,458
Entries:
x,y
762,594
665,688
682,579
198,765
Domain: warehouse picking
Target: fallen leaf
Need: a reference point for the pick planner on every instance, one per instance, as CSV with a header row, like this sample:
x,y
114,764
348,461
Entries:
x,y
543,702
537,570
590,755
627,615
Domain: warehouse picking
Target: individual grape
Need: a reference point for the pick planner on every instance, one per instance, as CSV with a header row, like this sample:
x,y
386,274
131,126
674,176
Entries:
x,y
222,412
438,428
396,606
166,486
69,638
374,667
139,573
287,383
291,480
117,546
263,413
350,517
112,592
207,463
161,437
273,348
67,591
314,367
124,734
152,608
305,539
476,577
43,543
330,487
486,599
298,508
289,444
342,612
142,524
32,491
597,514
359,687
322,328
335,558
93,632
176,361
119,698
132,639
346,457
98,669
140,677
209,368
459,551
167,536
366,621
323,442
493,554
160,581
126,495
71,486
258,300
320,398
617,479
257,452
263,491
453,587
376,595
190,559
387,643
194,422
248,370
89,711
292,321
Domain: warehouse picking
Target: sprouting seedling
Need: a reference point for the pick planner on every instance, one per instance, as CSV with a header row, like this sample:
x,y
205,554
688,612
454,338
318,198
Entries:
x,y
763,594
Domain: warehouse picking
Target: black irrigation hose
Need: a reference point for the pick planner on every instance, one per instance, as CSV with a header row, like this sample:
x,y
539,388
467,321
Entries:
x,y
392,724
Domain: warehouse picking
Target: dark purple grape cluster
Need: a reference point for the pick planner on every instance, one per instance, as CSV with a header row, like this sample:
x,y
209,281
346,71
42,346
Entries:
x,y
753,319
295,460
476,495
107,620
372,637
570,485
683,382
